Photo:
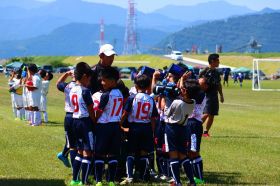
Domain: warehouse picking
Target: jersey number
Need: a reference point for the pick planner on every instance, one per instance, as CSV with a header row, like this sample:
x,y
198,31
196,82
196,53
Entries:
x,y
118,103
74,100
143,110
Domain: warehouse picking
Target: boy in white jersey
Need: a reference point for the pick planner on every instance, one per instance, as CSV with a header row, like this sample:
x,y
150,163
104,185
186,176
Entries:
x,y
107,129
16,90
44,92
141,111
34,86
70,139
83,116
176,134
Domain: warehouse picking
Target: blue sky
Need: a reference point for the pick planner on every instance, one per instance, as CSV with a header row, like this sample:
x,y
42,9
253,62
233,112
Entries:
x,y
150,5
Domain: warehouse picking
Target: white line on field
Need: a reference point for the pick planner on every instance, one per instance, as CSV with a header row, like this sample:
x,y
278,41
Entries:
x,y
238,104
133,62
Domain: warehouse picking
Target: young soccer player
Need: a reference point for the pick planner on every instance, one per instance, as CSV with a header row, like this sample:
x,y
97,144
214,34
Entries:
x,y
141,111
70,143
84,118
16,90
34,86
44,92
107,128
176,135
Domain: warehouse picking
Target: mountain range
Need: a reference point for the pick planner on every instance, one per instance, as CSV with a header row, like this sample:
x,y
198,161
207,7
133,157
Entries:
x,y
30,27
234,34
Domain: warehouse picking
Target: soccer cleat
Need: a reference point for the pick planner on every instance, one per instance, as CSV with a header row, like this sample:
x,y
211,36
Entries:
x,y
99,184
199,181
171,180
64,160
73,183
111,183
206,134
126,181
163,178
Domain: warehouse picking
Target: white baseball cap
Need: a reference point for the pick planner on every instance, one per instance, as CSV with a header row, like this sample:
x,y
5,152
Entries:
x,y
107,49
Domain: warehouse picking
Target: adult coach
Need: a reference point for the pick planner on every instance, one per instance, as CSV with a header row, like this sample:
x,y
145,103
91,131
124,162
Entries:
x,y
106,55
213,81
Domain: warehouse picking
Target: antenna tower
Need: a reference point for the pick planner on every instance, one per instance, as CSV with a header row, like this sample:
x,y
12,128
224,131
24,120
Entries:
x,y
130,40
102,32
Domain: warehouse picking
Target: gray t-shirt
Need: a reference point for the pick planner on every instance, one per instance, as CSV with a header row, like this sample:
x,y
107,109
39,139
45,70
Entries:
x,y
179,112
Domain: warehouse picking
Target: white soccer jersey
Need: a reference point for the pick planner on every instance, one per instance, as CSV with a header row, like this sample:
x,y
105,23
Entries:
x,y
141,108
35,95
45,87
200,102
66,88
111,105
179,112
80,99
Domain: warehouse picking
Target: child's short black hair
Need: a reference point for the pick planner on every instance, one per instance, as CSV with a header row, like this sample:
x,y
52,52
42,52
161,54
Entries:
x,y
33,68
212,57
50,76
142,81
42,73
192,87
81,69
110,73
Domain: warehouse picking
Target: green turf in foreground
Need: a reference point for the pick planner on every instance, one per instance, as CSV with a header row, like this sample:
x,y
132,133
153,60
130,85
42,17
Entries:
x,y
244,148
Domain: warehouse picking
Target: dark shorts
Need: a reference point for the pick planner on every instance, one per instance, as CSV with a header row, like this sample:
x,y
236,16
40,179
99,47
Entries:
x,y
176,138
84,134
140,138
212,105
195,129
71,141
108,139
159,136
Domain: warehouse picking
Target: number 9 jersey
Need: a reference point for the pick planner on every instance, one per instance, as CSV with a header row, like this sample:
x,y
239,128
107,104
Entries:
x,y
141,108
80,100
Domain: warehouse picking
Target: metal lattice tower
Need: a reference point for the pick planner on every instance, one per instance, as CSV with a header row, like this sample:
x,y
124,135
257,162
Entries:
x,y
101,42
130,40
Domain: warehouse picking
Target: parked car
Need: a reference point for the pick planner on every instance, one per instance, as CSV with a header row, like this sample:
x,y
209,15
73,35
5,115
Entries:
x,y
62,69
176,55
1,69
47,68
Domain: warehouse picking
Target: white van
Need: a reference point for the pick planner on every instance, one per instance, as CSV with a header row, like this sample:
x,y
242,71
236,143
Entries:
x,y
176,55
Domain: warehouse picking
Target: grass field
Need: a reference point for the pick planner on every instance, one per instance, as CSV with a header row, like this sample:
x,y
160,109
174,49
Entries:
x,y
244,148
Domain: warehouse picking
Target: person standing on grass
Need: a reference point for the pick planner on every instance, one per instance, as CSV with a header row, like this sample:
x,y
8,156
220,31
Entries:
x,y
34,86
70,143
213,81
106,55
83,122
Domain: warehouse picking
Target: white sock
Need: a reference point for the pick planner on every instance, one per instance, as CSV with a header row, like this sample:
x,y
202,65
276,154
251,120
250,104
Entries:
x,y
45,115
32,116
18,113
37,118
15,111
22,113
27,115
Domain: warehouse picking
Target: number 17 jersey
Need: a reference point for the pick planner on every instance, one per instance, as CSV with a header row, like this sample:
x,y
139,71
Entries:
x,y
141,108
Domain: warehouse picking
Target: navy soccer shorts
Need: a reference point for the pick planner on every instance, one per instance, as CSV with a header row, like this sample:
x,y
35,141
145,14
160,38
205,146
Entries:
x,y
195,129
176,138
84,133
71,141
140,138
108,139
159,136
212,105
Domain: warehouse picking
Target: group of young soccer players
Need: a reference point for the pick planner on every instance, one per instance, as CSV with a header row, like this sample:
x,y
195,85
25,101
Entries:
x,y
161,119
29,88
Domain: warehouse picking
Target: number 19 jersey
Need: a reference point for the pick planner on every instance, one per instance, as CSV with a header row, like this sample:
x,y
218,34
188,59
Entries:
x,y
141,108
80,100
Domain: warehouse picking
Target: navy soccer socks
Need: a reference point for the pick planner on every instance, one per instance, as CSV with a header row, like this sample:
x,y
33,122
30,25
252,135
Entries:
x,y
197,165
175,170
86,167
77,166
188,169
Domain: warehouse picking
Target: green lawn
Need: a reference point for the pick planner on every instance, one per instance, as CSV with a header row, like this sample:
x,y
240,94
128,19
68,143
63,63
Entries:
x,y
244,148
